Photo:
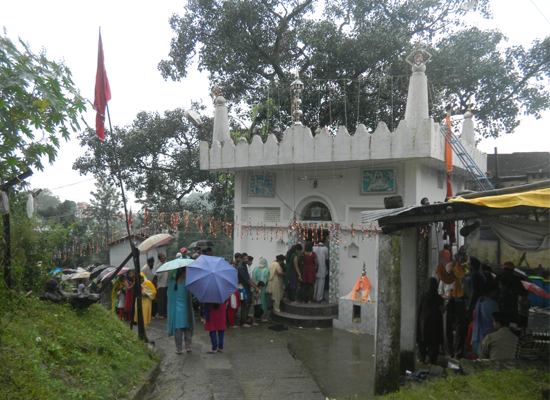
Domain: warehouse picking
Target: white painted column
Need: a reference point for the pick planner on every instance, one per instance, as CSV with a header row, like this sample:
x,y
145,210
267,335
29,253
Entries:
x,y
417,99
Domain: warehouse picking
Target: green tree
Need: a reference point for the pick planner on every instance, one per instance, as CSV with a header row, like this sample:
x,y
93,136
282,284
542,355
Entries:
x,y
105,204
35,244
39,105
45,200
159,158
63,213
352,61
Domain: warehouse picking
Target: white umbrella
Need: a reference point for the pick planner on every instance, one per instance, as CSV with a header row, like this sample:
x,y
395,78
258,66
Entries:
x,y
154,241
174,264
80,275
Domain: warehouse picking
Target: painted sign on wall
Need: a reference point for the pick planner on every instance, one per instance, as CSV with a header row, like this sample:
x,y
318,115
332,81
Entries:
x,y
378,181
262,185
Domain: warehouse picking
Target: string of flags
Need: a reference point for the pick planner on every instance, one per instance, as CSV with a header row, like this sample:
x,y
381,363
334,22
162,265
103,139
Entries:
x,y
143,225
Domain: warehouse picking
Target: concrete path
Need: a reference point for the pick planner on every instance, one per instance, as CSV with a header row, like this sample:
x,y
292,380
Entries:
x,y
256,364
259,363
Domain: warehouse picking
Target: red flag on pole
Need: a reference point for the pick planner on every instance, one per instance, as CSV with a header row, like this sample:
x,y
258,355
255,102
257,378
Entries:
x,y
102,92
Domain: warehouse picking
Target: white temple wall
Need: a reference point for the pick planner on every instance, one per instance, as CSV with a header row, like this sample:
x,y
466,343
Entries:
x,y
341,193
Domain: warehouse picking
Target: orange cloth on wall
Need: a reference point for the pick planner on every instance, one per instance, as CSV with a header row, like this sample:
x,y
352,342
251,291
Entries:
x,y
448,149
362,283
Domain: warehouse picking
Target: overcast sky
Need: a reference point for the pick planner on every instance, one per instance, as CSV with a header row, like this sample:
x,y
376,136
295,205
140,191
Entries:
x,y
136,36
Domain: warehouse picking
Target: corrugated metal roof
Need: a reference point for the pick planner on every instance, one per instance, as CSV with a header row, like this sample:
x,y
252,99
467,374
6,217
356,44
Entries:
x,y
375,215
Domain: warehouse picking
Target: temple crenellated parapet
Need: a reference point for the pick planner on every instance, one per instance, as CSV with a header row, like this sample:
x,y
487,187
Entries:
x,y
299,146
416,137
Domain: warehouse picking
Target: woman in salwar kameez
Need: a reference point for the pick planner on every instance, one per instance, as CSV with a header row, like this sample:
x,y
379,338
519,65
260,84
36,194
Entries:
x,y
181,317
129,283
275,284
261,274
148,293
293,274
430,308
117,287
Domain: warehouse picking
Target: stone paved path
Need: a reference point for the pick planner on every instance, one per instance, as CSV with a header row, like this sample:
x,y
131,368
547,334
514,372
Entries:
x,y
256,364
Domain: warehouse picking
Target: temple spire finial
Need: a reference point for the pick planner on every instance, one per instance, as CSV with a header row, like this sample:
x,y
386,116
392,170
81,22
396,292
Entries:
x,y
417,99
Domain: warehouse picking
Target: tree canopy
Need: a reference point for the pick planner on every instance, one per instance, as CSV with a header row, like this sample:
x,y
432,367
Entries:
x,y
39,105
159,158
350,56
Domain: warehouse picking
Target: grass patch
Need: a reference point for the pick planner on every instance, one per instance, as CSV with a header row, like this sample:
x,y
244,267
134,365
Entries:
x,y
488,385
50,351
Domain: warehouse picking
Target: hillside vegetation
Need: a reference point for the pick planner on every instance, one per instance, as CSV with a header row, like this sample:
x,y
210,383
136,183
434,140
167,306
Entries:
x,y
51,351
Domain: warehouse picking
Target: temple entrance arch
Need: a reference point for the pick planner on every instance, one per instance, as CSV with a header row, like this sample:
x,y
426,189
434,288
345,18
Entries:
x,y
316,208
319,216
316,211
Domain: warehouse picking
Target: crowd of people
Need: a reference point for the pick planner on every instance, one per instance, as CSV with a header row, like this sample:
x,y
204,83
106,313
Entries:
x,y
466,311
470,311
298,276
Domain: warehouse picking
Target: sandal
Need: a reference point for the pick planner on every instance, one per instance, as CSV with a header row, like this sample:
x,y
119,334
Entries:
x,y
220,350
212,352
178,351
189,350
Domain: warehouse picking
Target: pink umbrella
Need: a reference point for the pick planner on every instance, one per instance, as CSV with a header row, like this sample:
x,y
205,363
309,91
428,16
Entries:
x,y
122,271
536,290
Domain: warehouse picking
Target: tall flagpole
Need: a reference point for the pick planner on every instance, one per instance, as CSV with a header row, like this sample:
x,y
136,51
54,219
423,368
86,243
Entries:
x,y
102,96
141,325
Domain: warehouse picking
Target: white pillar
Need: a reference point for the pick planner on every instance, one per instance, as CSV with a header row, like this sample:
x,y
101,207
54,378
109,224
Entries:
x,y
417,99
468,135
221,123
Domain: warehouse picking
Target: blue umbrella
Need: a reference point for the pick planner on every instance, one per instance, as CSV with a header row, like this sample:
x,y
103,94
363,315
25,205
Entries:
x,y
211,279
174,264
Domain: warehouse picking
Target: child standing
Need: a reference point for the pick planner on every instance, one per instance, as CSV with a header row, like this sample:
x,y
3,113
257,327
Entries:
x,y
258,309
215,323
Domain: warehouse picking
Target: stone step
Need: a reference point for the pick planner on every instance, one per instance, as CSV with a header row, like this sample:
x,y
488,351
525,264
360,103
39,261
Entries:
x,y
302,321
310,310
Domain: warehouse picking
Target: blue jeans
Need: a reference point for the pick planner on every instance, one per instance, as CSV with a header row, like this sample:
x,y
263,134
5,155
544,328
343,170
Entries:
x,y
217,340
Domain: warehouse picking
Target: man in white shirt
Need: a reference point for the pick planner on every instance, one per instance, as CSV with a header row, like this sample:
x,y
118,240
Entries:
x,y
322,256
147,269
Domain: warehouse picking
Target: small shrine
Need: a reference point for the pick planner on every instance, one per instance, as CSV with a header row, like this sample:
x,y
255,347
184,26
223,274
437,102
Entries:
x,y
308,187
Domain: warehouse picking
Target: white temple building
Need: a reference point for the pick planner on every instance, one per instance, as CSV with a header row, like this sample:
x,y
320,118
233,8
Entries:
x,y
324,182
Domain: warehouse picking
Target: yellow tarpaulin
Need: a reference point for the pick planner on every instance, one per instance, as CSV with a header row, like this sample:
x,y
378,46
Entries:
x,y
534,198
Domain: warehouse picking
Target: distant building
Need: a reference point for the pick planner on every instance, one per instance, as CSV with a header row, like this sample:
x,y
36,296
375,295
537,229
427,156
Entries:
x,y
506,170
120,249
81,208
